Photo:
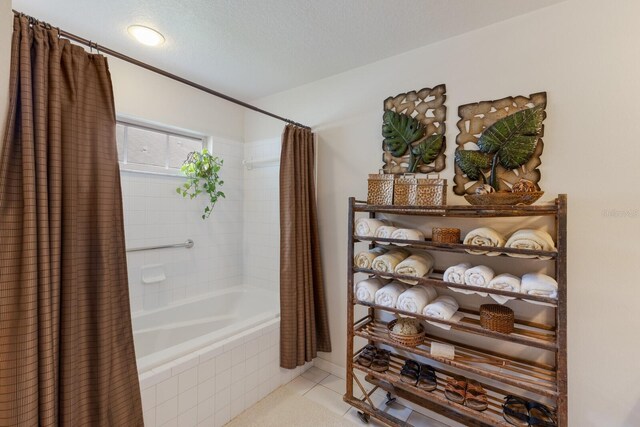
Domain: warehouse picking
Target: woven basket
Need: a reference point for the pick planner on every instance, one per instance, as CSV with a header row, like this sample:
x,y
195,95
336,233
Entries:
x,y
510,199
431,192
408,340
497,318
405,190
380,189
445,235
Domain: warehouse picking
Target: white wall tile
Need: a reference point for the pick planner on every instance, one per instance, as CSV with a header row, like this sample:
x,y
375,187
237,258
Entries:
x,y
166,390
167,411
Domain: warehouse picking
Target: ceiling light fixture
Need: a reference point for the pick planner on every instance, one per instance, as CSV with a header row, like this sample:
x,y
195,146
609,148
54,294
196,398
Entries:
x,y
146,35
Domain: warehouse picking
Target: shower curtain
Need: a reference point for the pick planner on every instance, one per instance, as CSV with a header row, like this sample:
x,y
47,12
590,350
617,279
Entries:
x,y
66,345
304,325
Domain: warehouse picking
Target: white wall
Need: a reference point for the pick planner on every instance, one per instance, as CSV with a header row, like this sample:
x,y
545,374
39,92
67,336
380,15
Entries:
x,y
586,56
262,216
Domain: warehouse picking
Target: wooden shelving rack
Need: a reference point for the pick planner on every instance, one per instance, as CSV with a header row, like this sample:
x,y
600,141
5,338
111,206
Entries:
x,y
500,374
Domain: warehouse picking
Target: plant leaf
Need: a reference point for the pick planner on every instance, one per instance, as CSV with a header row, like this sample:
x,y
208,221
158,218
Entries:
x,y
472,162
522,123
428,150
400,131
517,151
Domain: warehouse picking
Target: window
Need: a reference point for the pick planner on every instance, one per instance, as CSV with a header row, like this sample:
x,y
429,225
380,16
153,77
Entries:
x,y
150,148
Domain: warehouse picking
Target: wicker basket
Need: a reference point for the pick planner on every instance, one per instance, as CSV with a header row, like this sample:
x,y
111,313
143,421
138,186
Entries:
x,y
445,235
431,192
497,318
405,190
380,189
408,340
502,199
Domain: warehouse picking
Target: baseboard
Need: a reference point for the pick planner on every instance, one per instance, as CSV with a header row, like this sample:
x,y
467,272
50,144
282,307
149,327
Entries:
x,y
330,367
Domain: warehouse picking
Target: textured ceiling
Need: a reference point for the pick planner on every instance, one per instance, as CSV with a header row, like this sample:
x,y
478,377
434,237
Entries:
x,y
253,48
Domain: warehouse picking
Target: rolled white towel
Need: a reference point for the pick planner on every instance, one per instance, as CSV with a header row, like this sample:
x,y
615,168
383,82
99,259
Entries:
x,y
480,276
385,232
388,262
365,290
504,282
444,308
539,284
407,234
366,227
416,298
455,273
388,295
417,265
365,258
536,240
484,236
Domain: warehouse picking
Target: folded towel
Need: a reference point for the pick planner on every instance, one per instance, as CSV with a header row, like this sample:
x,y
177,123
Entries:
x,y
536,240
385,232
444,308
484,236
365,258
366,227
365,290
480,275
455,273
539,284
417,265
416,298
504,282
389,294
388,262
407,234
454,319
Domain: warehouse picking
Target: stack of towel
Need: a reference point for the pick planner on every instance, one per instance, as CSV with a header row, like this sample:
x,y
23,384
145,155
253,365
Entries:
x,y
536,240
388,262
385,232
416,298
364,259
366,227
444,308
540,285
407,234
479,276
365,290
416,265
484,236
388,295
504,282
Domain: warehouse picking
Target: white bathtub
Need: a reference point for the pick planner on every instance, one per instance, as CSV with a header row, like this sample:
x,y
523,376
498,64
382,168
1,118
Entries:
x,y
166,334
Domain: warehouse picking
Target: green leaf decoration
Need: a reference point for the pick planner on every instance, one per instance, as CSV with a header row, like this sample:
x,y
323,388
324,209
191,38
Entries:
x,y
472,162
427,150
400,131
201,170
513,138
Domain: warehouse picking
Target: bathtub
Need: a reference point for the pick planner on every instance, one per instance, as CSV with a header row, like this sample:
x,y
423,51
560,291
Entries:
x,y
166,334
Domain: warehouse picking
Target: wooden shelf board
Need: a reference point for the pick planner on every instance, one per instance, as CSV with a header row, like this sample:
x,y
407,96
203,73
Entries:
x,y
461,211
456,247
528,376
539,336
442,284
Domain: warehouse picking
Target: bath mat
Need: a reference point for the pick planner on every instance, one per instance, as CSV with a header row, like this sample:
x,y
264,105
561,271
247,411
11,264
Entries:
x,y
284,407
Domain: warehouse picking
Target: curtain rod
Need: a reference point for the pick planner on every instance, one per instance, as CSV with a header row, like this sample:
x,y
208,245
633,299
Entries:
x,y
156,70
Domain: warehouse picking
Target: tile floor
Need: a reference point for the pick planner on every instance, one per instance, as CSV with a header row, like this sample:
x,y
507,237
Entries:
x,y
327,390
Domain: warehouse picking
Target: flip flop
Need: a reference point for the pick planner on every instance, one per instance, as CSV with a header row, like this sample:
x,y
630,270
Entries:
x,y
366,356
427,379
410,372
540,415
380,362
476,396
516,411
455,390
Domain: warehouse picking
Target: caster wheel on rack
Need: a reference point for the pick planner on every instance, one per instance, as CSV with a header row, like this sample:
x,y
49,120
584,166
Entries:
x,y
363,417
390,399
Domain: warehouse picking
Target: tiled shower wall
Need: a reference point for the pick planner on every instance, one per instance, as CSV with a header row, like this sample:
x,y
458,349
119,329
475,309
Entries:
x,y
262,216
155,214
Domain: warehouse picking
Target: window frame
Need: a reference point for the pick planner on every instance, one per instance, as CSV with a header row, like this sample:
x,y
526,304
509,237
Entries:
x,y
168,131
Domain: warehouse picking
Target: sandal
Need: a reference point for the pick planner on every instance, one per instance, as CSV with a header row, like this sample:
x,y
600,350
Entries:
x,y
455,390
540,415
410,372
476,396
367,355
380,362
427,379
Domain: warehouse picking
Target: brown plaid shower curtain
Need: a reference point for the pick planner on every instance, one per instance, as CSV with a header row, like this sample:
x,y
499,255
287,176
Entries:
x,y
66,345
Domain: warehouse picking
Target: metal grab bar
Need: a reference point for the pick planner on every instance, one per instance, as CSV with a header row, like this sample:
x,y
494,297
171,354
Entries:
x,y
188,244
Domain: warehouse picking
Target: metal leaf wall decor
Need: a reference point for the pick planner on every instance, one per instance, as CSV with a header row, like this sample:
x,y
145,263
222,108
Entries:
x,y
516,164
427,107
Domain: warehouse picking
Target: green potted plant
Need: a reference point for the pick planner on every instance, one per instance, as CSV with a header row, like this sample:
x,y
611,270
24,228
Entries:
x,y
202,172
